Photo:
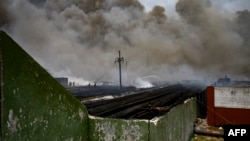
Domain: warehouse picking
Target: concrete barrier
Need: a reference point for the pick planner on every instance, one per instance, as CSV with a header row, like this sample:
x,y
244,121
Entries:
x,y
34,106
176,125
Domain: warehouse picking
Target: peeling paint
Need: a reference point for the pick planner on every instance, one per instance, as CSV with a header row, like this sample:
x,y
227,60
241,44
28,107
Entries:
x,y
13,122
131,133
70,139
94,117
81,114
14,91
155,120
50,112
186,101
107,130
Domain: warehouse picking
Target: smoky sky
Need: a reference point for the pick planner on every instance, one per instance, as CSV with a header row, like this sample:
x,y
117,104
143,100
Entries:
x,y
4,18
81,38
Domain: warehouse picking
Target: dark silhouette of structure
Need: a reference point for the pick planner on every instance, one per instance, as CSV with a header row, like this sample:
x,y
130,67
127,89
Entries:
x,y
120,60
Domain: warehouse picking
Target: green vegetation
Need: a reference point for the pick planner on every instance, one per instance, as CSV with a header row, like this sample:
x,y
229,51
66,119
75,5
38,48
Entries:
x,y
36,106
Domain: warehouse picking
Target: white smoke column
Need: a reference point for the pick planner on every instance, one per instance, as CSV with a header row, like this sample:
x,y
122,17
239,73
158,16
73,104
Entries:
x,y
82,39
139,83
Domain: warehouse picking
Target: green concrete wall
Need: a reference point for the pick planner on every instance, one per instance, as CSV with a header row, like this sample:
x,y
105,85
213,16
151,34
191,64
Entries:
x,y
35,106
106,129
176,125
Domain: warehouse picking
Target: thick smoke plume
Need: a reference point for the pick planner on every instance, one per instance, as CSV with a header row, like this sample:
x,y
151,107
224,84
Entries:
x,y
4,19
81,38
243,25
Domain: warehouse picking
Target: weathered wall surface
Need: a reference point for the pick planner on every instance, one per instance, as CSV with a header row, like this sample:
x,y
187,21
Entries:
x,y
228,105
232,97
176,125
106,129
35,106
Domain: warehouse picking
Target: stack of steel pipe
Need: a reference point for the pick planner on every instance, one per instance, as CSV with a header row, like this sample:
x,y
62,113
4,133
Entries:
x,y
142,105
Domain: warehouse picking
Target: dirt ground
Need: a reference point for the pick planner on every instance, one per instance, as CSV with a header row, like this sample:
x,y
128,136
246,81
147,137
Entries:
x,y
204,132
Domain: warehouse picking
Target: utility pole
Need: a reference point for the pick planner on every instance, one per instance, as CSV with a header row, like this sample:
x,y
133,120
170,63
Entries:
x,y
120,60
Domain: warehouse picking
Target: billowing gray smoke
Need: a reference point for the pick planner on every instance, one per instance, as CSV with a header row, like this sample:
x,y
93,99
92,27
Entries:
x,y
81,38
220,47
4,19
243,25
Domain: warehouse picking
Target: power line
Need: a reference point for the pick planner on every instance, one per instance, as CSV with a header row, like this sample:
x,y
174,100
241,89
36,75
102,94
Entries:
x,y
120,60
